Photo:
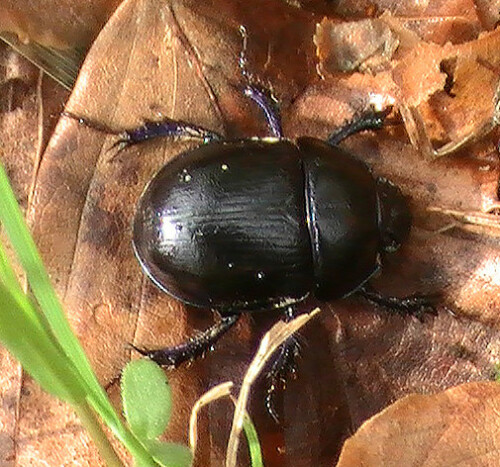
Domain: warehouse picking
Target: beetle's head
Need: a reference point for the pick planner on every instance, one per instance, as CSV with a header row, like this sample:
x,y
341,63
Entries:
x,y
394,218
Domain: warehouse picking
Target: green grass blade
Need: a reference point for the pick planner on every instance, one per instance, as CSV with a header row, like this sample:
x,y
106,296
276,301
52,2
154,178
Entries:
x,y
253,442
38,279
7,275
9,280
36,351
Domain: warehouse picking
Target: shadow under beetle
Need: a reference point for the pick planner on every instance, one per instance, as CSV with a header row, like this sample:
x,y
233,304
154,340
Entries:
x,y
262,223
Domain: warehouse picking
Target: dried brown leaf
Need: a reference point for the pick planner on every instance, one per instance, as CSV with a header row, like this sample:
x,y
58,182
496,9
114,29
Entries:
x,y
455,427
488,12
65,23
414,8
366,45
367,360
447,93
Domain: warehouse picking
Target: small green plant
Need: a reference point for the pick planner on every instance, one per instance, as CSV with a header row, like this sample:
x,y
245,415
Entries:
x,y
147,403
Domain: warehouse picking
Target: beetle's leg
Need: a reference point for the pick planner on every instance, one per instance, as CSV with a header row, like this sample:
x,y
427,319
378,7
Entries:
x,y
283,367
195,347
268,104
370,120
149,130
417,305
166,128
262,96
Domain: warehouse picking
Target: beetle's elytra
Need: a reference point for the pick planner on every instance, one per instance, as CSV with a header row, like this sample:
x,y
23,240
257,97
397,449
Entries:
x,y
255,224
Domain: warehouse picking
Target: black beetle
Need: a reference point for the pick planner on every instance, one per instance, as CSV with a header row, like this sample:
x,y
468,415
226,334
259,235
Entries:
x,y
261,223
257,224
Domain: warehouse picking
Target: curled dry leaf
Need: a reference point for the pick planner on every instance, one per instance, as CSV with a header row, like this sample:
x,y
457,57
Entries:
x,y
410,8
366,45
447,91
455,427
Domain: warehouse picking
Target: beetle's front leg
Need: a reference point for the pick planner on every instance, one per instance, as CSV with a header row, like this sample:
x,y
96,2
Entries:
x,y
282,369
165,128
369,120
417,305
197,346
